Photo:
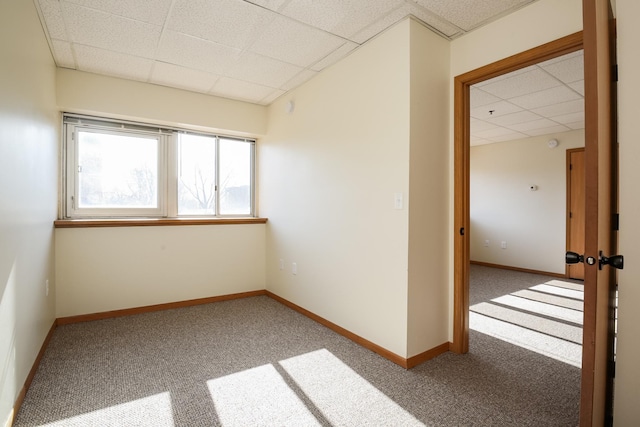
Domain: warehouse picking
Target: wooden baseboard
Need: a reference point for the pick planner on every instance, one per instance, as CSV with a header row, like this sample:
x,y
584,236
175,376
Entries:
x,y
522,270
155,307
398,360
32,373
428,355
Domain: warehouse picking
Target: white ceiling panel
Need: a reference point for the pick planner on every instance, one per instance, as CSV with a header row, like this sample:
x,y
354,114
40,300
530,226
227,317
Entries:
x,y
568,118
334,56
521,84
151,11
277,44
343,18
559,109
480,98
469,14
548,130
91,27
244,91
53,19
547,97
232,23
182,77
115,64
499,133
199,54
576,125
514,118
578,87
295,43
496,109
263,71
64,53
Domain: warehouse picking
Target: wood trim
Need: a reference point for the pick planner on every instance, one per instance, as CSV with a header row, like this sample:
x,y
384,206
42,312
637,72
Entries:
x,y
569,191
398,360
427,355
27,383
462,84
153,222
521,270
155,307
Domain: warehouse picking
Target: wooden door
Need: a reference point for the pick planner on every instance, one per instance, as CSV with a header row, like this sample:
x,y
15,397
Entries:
x,y
575,209
600,207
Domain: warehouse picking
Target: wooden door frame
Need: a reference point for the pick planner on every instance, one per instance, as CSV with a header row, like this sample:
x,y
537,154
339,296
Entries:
x,y
462,84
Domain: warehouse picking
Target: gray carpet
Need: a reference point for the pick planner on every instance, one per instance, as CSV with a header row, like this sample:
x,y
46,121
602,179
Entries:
x,y
255,362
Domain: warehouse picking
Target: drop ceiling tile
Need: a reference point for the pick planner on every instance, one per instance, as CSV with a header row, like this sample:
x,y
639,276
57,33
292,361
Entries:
x,y
527,127
277,93
63,54
468,14
545,97
232,23
578,53
274,5
434,21
496,132
513,136
100,61
151,11
480,141
505,76
262,70
193,52
478,98
578,87
561,108
532,81
547,130
245,91
575,125
110,32
344,18
568,118
494,110
480,125
514,118
567,71
182,78
296,81
334,56
299,44
53,19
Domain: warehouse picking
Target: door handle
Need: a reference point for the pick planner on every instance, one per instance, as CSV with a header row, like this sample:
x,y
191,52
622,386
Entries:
x,y
615,261
574,258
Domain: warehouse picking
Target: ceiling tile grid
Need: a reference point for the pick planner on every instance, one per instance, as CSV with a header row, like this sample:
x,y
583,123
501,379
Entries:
x,y
257,50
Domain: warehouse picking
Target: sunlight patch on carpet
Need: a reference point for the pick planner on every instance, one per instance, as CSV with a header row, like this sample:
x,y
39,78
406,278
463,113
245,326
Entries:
x,y
258,397
152,411
549,310
540,343
343,396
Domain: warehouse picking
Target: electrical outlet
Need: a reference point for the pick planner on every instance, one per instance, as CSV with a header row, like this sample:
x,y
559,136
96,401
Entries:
x,y
46,287
503,244
486,243
294,268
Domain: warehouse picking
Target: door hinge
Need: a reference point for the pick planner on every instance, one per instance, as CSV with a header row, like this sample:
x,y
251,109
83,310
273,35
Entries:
x,y
570,215
612,368
615,222
614,73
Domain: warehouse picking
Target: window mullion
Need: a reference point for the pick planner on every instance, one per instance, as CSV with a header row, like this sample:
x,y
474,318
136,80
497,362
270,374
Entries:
x,y
172,176
217,176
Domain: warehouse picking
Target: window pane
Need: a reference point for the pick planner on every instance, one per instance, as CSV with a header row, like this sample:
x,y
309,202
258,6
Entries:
x,y
117,171
196,175
235,177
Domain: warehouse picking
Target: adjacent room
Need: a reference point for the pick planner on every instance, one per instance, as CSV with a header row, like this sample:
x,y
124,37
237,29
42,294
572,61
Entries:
x,y
234,212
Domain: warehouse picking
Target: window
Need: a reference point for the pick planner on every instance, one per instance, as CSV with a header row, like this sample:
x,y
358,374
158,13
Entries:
x,y
120,169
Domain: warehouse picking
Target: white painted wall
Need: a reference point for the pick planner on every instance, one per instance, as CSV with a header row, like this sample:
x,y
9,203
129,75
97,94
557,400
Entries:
x,y
103,269
115,268
627,383
328,174
88,93
533,223
428,196
507,36
28,195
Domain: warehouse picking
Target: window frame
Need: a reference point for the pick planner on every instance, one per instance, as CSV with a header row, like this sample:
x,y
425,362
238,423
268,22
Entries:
x,y
167,169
